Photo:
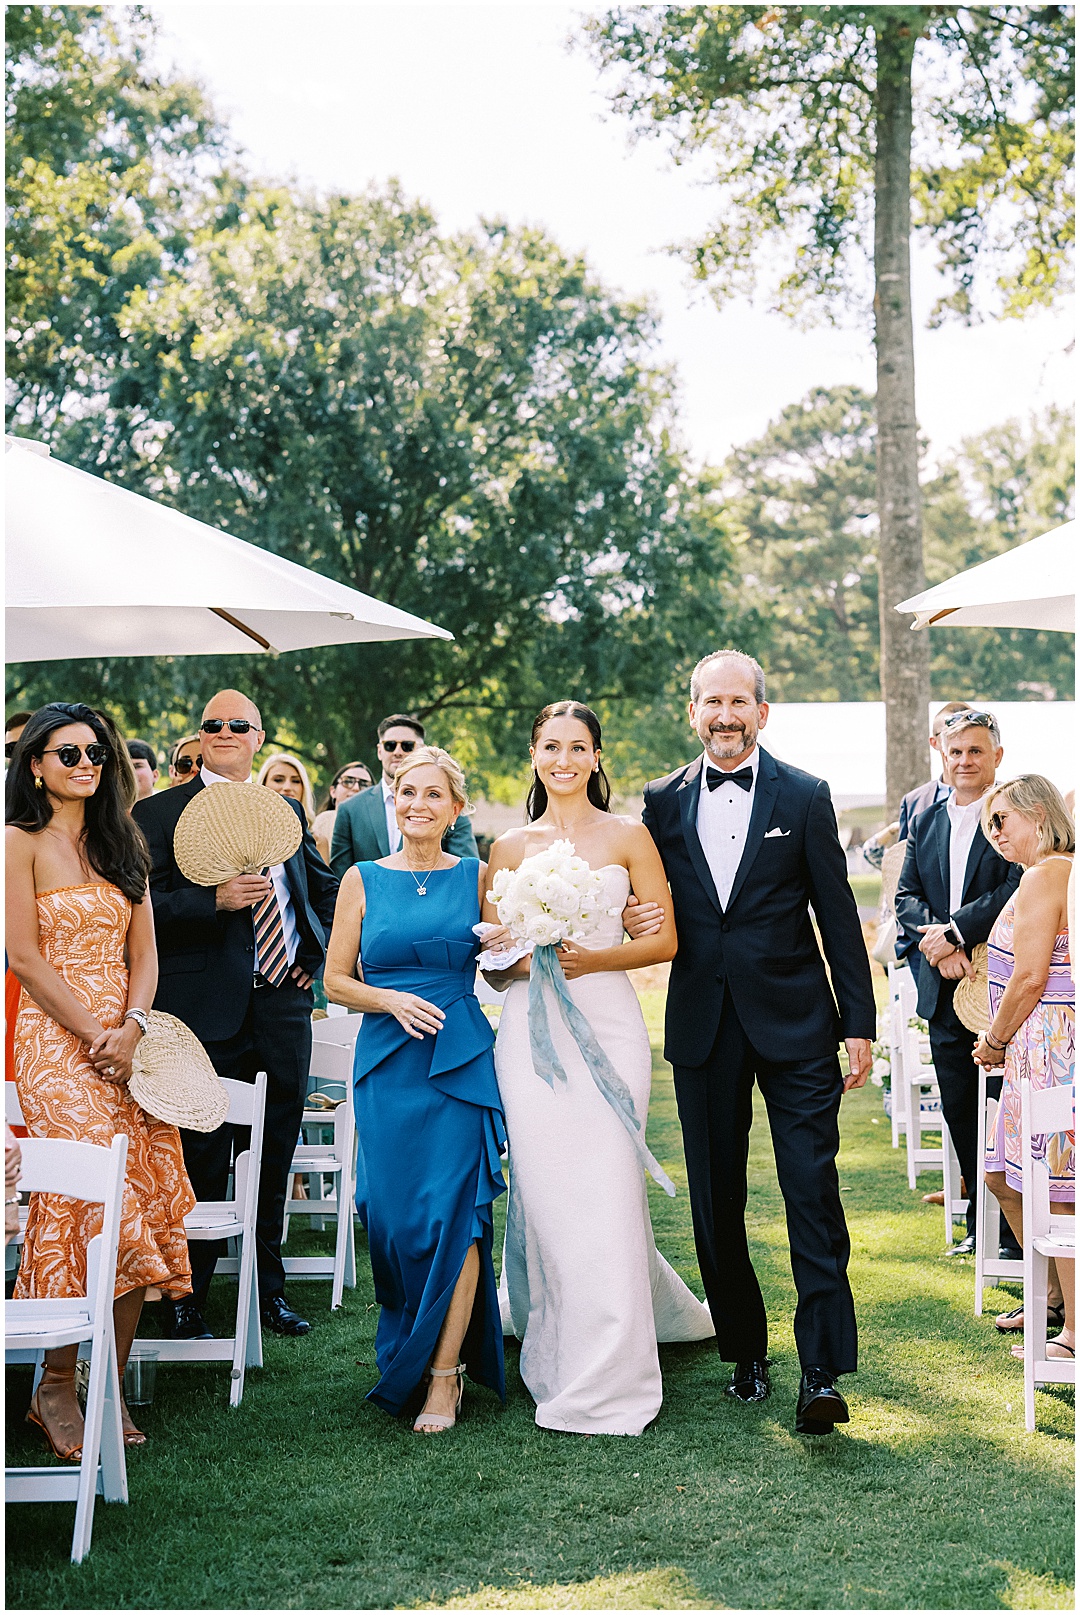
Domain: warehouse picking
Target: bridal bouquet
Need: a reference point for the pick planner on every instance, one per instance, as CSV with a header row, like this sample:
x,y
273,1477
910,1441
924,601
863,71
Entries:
x,y
550,897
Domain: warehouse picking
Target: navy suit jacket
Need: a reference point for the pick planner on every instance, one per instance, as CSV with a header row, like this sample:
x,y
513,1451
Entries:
x,y
762,946
922,895
206,955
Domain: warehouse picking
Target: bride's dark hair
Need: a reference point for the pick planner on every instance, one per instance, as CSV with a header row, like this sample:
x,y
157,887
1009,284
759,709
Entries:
x,y
599,786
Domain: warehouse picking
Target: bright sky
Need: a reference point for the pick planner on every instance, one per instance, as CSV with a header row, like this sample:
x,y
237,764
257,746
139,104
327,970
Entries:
x,y
482,110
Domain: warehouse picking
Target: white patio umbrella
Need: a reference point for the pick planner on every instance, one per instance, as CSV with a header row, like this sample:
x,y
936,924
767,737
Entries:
x,y
1030,586
94,570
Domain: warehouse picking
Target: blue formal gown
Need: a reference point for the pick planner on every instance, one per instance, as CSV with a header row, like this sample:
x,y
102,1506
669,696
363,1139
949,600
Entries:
x,y
430,1127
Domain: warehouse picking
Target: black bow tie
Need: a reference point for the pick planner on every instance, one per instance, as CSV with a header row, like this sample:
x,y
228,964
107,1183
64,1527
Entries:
x,y
742,777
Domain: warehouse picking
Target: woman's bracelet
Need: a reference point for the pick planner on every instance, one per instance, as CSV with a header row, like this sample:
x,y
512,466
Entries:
x,y
994,1044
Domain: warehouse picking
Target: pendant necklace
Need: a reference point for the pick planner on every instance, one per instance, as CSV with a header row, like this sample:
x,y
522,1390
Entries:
x,y
421,887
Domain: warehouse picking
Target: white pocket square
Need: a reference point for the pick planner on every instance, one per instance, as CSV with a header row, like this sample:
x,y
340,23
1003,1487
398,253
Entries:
x,y
777,832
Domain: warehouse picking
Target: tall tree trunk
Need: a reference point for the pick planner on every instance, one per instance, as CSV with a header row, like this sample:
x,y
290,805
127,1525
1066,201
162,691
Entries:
x,y
905,656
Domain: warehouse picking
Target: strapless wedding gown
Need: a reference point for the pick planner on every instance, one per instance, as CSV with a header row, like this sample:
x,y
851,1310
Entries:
x,y
583,1286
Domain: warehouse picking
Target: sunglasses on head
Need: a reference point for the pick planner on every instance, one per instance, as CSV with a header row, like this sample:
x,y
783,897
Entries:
x,y
71,755
184,765
968,720
399,745
214,726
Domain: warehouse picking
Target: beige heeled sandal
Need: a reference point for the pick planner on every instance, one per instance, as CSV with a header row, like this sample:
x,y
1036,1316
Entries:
x,y
430,1424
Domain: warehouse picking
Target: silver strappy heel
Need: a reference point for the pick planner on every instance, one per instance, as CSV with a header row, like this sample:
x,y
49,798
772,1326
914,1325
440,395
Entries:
x,y
429,1424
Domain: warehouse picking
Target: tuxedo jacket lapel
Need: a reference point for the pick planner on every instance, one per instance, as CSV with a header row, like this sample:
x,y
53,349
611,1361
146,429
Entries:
x,y
765,792
687,794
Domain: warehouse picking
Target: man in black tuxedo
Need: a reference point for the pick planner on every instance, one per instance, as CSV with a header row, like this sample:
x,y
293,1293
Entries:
x,y
749,845
952,888
236,963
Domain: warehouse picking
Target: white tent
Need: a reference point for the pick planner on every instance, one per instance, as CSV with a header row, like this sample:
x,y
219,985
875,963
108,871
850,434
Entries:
x,y
94,570
1030,586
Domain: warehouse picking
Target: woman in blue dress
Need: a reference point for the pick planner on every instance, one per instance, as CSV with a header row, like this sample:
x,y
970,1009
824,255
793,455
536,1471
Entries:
x,y
428,1113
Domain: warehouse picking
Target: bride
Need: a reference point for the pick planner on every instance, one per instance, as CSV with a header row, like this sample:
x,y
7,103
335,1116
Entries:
x,y
584,1287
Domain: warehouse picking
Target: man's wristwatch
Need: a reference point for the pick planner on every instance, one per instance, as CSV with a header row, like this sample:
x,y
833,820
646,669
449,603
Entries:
x,y
139,1017
952,936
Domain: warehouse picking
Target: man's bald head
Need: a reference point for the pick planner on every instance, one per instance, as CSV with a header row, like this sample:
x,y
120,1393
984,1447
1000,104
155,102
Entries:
x,y
232,704
227,753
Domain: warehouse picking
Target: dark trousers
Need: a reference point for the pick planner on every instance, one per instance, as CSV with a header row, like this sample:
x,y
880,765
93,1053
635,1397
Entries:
x,y
276,1038
958,1083
802,1097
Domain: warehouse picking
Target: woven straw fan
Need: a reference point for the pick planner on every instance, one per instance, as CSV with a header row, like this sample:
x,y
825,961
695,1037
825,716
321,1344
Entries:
x,y
971,1000
172,1077
229,830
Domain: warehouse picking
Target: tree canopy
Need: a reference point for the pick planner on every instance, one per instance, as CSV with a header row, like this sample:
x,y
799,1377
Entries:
x,y
779,103
800,503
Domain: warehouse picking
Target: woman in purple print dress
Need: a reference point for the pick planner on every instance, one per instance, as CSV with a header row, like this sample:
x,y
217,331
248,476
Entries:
x,y
1032,1011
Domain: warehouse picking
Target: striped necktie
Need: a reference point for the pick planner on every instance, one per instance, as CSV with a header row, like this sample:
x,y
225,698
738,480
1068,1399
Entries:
x,y
272,958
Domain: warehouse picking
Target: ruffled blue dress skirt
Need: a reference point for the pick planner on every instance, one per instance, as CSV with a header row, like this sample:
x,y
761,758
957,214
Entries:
x,y
430,1128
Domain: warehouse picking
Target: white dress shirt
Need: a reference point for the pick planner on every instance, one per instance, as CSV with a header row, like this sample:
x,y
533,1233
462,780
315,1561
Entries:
x,y
277,875
723,819
393,834
963,828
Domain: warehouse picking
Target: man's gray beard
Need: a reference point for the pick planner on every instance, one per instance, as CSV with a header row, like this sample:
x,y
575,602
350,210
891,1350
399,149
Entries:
x,y
734,747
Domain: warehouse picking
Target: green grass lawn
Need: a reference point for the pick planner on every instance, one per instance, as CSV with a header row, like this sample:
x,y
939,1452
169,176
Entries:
x,y
933,1497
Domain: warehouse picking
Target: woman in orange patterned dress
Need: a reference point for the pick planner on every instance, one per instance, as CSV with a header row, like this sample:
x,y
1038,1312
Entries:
x,y
80,936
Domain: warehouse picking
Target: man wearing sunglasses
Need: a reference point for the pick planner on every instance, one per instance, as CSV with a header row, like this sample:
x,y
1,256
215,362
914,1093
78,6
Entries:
x,y
236,964
952,888
366,827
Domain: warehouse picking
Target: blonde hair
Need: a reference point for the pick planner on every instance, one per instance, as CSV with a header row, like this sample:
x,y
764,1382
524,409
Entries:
x,y
1027,795
435,757
293,762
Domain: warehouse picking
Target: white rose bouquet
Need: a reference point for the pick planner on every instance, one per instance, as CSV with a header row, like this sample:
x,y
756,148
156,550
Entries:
x,y
551,897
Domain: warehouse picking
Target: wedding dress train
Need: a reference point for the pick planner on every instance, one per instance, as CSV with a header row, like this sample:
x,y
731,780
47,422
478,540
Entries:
x,y
583,1286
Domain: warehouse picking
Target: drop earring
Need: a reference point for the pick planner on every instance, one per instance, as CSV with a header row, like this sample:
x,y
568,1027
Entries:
x,y
37,782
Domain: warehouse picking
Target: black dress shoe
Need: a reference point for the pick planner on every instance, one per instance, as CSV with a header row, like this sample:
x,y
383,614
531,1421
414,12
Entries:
x,y
820,1406
750,1381
278,1315
185,1321
966,1247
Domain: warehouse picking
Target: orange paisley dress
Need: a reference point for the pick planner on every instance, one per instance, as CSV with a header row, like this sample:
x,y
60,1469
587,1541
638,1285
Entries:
x,y
82,931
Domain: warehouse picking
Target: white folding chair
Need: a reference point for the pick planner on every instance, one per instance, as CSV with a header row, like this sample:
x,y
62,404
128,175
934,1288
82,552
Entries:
x,y
233,1220
332,1047
916,1090
85,1172
956,1204
989,1266
1042,1110
896,1050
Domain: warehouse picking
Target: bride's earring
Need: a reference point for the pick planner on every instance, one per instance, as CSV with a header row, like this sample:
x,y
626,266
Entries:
x,y
37,782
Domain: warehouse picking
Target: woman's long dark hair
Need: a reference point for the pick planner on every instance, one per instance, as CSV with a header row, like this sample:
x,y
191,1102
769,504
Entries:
x,y
599,786
112,842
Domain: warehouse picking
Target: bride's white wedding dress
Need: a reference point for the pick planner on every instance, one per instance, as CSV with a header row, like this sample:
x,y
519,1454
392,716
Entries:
x,y
583,1285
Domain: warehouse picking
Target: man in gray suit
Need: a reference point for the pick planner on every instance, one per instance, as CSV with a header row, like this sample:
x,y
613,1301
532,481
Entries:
x,y
365,826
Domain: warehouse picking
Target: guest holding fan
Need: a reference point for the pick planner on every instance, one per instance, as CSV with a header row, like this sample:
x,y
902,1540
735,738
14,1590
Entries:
x,y
80,934
428,1114
237,963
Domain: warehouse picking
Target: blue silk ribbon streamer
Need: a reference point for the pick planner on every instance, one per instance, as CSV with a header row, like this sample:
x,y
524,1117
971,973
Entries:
x,y
545,967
